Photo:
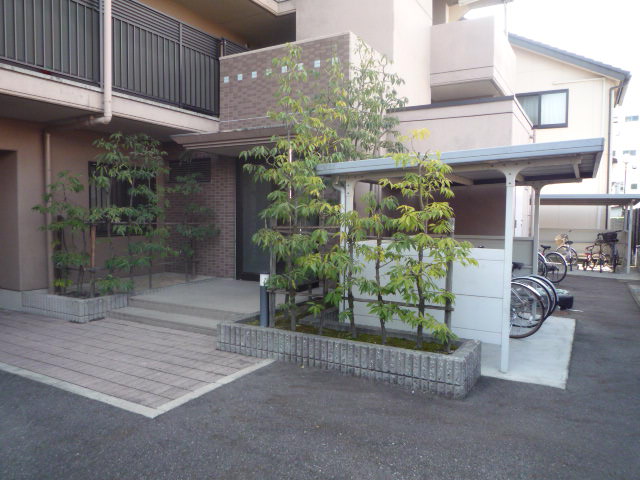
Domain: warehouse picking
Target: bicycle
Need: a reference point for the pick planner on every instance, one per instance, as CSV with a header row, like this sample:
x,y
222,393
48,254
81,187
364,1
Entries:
x,y
601,258
551,265
533,299
566,250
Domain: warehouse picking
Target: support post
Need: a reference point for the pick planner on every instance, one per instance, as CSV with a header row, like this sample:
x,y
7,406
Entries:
x,y
536,228
629,227
510,174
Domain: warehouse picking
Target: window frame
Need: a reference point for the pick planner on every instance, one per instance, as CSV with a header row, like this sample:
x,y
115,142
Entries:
x,y
539,94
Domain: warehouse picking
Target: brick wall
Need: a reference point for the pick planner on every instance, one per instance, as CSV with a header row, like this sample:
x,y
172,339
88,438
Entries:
x,y
247,92
216,256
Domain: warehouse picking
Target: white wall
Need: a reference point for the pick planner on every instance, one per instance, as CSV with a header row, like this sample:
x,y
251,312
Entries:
x,y
478,307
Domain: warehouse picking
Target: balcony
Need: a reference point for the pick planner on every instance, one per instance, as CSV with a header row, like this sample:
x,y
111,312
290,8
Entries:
x,y
154,56
249,80
470,59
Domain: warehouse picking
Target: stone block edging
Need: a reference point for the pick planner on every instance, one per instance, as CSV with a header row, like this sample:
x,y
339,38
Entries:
x,y
79,310
450,376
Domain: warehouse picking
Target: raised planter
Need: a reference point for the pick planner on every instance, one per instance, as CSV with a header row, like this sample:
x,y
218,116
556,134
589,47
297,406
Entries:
x,y
79,310
450,376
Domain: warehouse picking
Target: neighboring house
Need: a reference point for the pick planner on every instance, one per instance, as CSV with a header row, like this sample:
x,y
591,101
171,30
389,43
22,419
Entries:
x,y
568,96
181,72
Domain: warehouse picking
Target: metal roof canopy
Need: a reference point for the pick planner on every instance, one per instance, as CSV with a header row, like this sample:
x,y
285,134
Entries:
x,y
538,163
590,199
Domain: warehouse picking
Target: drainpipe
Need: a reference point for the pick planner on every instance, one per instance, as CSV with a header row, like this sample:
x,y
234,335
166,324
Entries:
x,y
609,151
91,120
46,137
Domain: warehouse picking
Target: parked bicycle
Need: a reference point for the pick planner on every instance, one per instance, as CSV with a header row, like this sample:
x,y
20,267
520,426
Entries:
x,y
552,265
566,249
533,299
603,253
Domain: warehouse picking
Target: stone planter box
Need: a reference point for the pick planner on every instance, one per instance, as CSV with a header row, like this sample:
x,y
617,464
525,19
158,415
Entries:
x,y
450,376
79,310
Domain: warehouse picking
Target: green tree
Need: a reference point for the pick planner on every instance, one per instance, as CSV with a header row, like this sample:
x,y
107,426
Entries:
x,y
424,248
68,221
135,161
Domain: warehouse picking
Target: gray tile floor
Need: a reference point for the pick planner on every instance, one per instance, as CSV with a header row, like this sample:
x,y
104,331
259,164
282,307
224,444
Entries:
x,y
149,366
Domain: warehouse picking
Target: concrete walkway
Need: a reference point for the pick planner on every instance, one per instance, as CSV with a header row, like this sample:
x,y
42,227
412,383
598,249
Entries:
x,y
543,358
141,368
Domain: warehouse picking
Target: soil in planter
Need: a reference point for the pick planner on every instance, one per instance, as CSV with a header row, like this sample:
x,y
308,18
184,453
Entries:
x,y
283,324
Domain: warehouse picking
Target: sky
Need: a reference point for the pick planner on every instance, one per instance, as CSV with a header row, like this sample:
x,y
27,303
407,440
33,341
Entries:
x,y
604,30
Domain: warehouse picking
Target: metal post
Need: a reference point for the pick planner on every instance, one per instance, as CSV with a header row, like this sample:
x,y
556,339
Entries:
x,y
264,300
536,229
629,225
449,281
510,174
272,295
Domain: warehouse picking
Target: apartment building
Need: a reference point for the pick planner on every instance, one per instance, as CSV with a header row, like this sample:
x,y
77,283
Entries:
x,y
195,76
625,144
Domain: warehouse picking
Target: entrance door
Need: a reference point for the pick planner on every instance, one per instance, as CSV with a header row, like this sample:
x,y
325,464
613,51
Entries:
x,y
251,260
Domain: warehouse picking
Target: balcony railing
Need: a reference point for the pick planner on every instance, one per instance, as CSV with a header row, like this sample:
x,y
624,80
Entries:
x,y
154,56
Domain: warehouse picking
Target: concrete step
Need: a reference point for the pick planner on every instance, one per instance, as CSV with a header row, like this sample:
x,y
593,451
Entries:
x,y
187,310
189,323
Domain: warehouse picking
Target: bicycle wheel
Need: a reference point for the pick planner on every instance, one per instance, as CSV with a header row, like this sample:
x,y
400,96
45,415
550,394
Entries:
x,y
543,290
527,311
569,254
556,267
551,286
542,265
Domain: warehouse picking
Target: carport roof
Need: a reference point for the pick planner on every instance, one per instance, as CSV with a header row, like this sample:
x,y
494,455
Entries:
x,y
538,162
590,199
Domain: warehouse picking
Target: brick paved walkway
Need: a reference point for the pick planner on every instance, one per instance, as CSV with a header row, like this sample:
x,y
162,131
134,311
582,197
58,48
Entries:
x,y
141,368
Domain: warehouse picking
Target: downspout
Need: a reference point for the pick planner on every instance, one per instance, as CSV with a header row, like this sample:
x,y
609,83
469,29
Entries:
x,y
46,137
104,119
609,151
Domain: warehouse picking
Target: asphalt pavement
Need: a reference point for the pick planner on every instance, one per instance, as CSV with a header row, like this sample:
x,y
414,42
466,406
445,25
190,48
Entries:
x,y
287,422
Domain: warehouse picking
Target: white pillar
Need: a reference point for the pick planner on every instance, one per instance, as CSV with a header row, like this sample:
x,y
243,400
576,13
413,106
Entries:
x,y
628,217
536,228
510,174
349,193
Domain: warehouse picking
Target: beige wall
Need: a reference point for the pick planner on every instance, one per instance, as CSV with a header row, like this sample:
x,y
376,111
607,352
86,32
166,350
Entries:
x,y
371,20
471,59
399,29
23,262
587,118
26,140
193,18
9,242
468,126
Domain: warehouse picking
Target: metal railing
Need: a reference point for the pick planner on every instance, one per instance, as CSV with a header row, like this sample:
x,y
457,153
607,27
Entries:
x,y
154,56
53,36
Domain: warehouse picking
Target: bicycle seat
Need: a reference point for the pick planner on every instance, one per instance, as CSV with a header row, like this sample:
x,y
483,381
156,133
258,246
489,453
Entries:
x,y
569,242
516,265
545,246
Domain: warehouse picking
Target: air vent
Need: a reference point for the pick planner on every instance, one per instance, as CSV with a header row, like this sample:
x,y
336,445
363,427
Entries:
x,y
199,166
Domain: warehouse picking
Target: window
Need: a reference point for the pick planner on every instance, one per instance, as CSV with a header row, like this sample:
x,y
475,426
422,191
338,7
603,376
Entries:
x,y
117,196
632,118
199,166
629,152
546,109
634,186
